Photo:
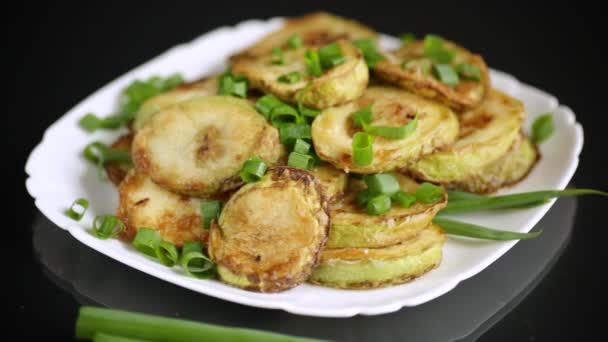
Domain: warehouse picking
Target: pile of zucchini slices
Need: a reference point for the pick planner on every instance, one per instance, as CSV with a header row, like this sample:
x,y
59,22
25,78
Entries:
x,y
329,156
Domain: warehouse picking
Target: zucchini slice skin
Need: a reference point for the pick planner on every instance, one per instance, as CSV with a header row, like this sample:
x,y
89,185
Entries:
x,y
270,233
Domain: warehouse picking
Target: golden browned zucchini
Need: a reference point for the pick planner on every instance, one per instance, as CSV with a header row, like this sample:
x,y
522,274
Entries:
x,y
270,233
368,268
352,226
117,171
332,180
315,29
486,134
333,129
145,204
206,86
198,146
337,85
410,69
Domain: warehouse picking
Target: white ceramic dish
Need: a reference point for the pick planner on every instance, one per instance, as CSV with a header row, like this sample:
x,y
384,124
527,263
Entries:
x,y
58,174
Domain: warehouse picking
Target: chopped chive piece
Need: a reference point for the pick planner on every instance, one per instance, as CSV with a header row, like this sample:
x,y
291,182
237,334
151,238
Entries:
x,y
363,116
407,38
422,64
542,128
232,85
331,55
240,89
283,113
369,51
435,50
479,232
277,56
90,122
363,152
266,104
253,170
379,205
403,199
106,226
300,160
513,200
363,197
429,193
290,132
301,146
446,74
77,209
210,210
192,246
294,41
195,263
101,154
390,132
307,112
147,241
382,183
167,253
313,64
469,71
289,78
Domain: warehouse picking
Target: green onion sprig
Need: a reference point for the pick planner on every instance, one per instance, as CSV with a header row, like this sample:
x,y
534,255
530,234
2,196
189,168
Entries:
x,y
106,226
479,232
78,208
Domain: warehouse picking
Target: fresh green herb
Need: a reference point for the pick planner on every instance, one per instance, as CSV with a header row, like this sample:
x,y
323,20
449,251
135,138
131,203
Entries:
x,y
277,56
469,71
363,152
106,226
284,113
210,210
290,132
363,116
369,51
101,154
423,64
301,146
103,337
446,74
379,205
147,241
294,41
195,262
253,170
407,38
429,193
167,253
435,50
290,78
313,63
331,55
392,132
300,160
307,112
363,197
77,209
266,104
479,232
542,128
382,183
230,84
403,199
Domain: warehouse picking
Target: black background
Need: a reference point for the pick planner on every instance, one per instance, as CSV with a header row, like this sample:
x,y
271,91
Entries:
x,y
60,54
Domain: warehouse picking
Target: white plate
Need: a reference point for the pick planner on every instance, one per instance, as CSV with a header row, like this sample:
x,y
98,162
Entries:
x,y
58,174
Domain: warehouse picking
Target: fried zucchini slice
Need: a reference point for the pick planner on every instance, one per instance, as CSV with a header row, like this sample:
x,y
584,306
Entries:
x,y
368,268
507,170
337,85
145,204
270,233
197,147
315,29
206,86
410,69
486,134
351,226
332,180
116,171
333,129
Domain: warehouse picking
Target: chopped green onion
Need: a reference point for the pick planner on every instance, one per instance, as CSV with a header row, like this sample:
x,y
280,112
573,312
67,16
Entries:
x,y
308,112
277,56
331,55
300,160
167,253
542,128
363,151
407,38
446,74
106,226
423,64
290,78
294,41
379,205
290,132
363,197
403,199
429,193
147,241
363,116
469,71
392,132
266,104
435,50
382,183
103,337
195,263
210,210
513,200
283,113
369,51
101,154
77,209
92,320
91,122
313,64
233,85
301,146
253,170
479,232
